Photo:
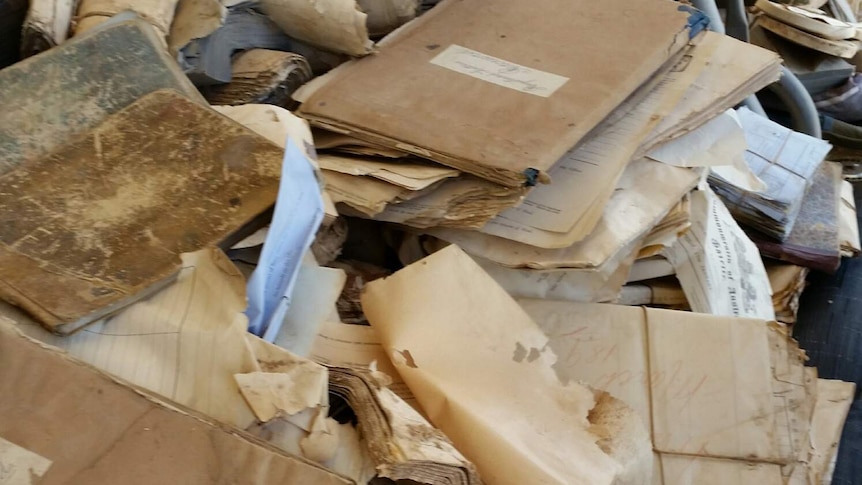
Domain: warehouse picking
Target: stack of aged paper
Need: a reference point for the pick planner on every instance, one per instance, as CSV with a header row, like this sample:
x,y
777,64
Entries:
x,y
786,161
519,93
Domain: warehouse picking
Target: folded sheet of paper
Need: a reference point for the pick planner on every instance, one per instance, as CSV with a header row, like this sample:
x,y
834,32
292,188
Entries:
x,y
334,25
834,399
719,144
719,267
91,427
646,192
493,391
786,162
316,290
184,343
600,284
705,385
298,213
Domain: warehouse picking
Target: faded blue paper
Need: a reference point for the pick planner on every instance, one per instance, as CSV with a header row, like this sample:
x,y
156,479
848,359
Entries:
x,y
298,214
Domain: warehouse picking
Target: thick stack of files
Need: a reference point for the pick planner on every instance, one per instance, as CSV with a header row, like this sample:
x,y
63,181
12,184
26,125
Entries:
x,y
786,161
434,89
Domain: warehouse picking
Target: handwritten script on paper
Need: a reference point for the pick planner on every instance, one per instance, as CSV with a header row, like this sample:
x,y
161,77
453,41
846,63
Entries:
x,y
498,71
18,466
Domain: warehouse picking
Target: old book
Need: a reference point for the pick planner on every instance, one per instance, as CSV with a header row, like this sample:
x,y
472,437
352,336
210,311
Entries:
x,y
517,83
100,223
50,98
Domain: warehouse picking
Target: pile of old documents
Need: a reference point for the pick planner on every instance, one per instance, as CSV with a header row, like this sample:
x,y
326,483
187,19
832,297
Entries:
x,y
351,241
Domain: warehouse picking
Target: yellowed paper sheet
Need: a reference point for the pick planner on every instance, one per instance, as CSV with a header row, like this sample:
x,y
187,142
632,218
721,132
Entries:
x,y
333,25
705,384
602,284
20,466
195,19
830,411
698,470
368,195
646,192
493,391
325,139
412,176
719,267
185,343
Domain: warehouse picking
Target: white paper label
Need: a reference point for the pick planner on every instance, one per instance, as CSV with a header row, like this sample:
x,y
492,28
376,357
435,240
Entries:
x,y
19,465
498,71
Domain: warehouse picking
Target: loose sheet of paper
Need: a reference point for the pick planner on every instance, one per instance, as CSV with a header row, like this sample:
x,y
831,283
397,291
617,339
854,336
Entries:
x,y
332,25
719,267
184,343
20,466
317,289
646,192
493,391
705,383
298,214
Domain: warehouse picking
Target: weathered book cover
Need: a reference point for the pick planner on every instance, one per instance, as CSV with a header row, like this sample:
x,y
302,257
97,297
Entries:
x,y
100,223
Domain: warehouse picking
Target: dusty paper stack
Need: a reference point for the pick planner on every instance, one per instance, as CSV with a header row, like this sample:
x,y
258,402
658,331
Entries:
x,y
564,242
566,392
808,27
786,161
447,126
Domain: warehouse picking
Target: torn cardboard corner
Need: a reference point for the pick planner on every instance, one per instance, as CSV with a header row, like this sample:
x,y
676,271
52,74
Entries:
x,y
261,76
462,79
481,370
402,444
195,180
108,425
